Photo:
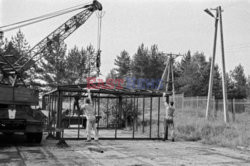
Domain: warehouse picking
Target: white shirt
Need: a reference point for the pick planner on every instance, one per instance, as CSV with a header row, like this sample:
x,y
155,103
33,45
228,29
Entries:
x,y
89,111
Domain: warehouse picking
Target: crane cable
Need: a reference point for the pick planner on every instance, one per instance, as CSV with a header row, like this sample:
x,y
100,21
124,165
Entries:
x,y
42,18
99,15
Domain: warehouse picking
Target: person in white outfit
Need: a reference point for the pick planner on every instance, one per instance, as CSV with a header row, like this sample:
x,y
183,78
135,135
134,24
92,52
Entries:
x,y
91,119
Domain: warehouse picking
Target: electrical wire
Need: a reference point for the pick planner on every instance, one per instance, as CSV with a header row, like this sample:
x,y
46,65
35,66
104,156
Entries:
x,y
45,15
42,18
17,27
238,45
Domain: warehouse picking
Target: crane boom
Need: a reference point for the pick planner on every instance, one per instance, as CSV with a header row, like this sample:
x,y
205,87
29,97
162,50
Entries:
x,y
40,49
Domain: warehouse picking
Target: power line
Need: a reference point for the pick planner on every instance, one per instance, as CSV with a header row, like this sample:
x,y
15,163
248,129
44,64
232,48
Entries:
x,y
238,45
41,18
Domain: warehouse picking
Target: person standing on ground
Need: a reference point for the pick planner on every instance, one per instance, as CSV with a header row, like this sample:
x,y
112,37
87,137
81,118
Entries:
x,y
169,119
91,119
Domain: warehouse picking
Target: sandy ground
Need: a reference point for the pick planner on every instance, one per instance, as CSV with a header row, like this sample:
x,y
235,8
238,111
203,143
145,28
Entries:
x,y
14,151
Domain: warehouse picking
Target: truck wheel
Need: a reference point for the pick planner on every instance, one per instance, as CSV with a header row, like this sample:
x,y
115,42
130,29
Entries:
x,y
36,137
8,133
29,137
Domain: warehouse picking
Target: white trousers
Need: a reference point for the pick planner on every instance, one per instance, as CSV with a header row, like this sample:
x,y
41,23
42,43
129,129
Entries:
x,y
91,125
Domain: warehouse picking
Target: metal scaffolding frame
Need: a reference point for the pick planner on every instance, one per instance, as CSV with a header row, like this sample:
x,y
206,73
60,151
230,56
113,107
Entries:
x,y
53,102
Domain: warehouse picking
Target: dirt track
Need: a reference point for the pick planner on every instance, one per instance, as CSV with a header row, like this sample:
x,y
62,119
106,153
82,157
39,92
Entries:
x,y
120,153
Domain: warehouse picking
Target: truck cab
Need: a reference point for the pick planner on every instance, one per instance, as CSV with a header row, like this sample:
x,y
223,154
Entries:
x,y
17,114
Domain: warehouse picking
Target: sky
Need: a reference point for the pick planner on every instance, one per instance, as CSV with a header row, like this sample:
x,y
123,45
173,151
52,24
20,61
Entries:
x,y
176,26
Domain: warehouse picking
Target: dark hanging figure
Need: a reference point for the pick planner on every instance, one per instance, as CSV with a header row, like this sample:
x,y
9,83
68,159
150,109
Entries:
x,y
76,107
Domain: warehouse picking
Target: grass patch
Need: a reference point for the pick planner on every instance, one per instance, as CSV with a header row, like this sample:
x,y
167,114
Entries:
x,y
196,128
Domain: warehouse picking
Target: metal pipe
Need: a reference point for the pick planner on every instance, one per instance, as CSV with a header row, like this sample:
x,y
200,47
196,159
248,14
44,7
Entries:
x,y
158,123
143,111
116,118
150,127
133,134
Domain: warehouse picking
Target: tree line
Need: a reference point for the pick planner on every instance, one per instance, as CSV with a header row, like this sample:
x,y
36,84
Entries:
x,y
58,66
191,72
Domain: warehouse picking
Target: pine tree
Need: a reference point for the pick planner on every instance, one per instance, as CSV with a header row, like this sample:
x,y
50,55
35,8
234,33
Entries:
x,y
156,63
77,65
240,82
18,47
193,75
140,63
20,44
53,66
123,64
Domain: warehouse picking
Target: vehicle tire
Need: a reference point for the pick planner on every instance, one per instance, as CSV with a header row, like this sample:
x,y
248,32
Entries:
x,y
29,137
38,137
34,137
8,133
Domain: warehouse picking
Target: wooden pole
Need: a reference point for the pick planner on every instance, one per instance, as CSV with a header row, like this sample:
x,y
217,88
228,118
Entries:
x,y
158,122
95,105
210,88
120,107
165,137
233,110
172,73
150,127
137,110
163,75
53,113
98,113
107,114
143,111
59,114
50,122
168,75
133,134
116,117
224,83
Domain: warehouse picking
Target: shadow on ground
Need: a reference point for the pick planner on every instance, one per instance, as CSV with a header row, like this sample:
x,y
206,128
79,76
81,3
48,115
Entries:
x,y
7,140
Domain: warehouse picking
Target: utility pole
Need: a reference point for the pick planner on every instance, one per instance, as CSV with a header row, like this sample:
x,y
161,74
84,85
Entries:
x,y
217,17
210,87
224,83
169,69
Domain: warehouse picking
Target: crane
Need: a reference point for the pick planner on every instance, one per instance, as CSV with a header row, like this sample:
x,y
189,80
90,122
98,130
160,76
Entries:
x,y
17,115
13,71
